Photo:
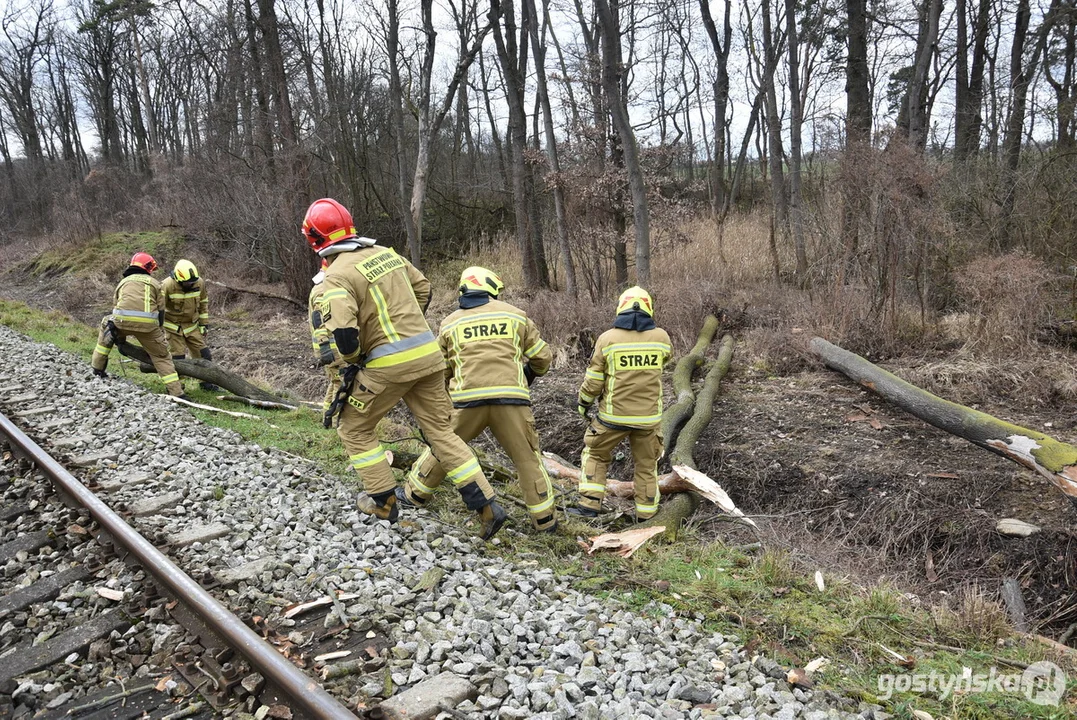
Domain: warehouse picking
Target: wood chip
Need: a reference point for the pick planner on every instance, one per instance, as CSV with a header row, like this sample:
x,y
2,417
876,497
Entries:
x,y
300,608
819,581
110,594
624,543
332,655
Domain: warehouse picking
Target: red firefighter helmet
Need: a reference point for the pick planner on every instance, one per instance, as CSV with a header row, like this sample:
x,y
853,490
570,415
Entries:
x,y
327,223
145,261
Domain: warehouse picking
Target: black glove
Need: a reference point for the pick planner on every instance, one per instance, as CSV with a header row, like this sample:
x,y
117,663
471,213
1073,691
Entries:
x,y
160,318
585,411
529,374
325,354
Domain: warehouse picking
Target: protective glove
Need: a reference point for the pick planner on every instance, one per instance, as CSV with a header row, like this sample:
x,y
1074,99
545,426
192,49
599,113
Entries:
x,y
584,410
204,329
325,354
529,374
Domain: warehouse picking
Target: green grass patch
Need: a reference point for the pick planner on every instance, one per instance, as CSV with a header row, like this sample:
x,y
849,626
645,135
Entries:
x,y
768,599
108,253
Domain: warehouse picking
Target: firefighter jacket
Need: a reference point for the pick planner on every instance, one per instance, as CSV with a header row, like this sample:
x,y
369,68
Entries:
x,y
488,346
138,302
325,346
185,309
381,295
625,376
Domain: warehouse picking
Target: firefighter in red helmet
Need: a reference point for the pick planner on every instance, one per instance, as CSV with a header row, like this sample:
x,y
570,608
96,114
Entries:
x,y
138,312
373,305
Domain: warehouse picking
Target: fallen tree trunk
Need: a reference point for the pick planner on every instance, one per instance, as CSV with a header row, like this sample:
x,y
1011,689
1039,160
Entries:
x,y
678,413
674,512
259,293
206,371
686,442
1056,461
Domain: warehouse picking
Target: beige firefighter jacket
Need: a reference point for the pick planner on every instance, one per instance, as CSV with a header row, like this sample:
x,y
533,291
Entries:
x,y
185,310
137,303
487,348
625,376
383,296
325,346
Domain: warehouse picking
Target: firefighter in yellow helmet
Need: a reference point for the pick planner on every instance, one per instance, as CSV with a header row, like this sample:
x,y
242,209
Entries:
x,y
625,377
138,312
187,314
373,305
494,352
325,347
186,311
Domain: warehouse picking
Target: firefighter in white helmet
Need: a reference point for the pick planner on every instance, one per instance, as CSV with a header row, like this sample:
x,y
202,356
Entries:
x,y
494,352
138,312
625,377
373,305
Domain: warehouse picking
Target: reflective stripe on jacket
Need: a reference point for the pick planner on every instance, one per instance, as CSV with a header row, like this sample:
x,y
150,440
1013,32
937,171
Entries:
x,y
136,303
625,376
383,296
487,348
185,310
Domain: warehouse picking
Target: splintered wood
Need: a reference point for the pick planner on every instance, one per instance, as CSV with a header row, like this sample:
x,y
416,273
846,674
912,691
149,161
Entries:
x,y
711,491
623,543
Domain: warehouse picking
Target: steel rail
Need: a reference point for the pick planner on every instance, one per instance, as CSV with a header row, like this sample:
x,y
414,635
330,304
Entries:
x,y
301,689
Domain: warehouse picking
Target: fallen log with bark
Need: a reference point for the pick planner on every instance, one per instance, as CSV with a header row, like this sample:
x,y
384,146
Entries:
x,y
677,414
1054,460
259,293
673,512
204,370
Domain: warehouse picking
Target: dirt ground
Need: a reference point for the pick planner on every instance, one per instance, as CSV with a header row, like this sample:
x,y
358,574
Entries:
x,y
844,481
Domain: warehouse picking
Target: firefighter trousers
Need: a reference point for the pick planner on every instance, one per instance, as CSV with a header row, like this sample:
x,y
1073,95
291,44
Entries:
x,y
186,341
514,428
599,443
153,341
373,395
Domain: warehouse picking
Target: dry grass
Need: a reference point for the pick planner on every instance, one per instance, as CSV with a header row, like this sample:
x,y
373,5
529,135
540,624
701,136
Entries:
x,y
974,613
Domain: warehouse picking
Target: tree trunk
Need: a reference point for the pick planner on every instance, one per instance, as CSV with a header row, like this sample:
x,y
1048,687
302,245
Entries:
x,y
796,119
206,371
779,200
679,412
539,50
1021,78
1054,460
721,97
612,83
916,99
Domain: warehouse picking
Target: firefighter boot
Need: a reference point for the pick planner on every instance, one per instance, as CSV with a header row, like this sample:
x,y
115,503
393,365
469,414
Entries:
x,y
492,516
100,373
207,386
402,498
382,506
582,512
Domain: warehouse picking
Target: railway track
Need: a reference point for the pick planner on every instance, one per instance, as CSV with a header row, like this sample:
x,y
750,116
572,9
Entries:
x,y
97,622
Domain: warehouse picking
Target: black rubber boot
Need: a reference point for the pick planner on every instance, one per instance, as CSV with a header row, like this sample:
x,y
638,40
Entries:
x,y
100,373
492,517
207,386
582,512
382,506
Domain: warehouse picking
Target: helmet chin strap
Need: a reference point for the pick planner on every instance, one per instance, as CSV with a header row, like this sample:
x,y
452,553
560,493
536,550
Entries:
x,y
346,246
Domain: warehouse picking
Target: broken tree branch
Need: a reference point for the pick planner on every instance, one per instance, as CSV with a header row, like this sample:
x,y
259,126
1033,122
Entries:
x,y
1056,461
678,413
686,442
206,371
259,293
675,511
